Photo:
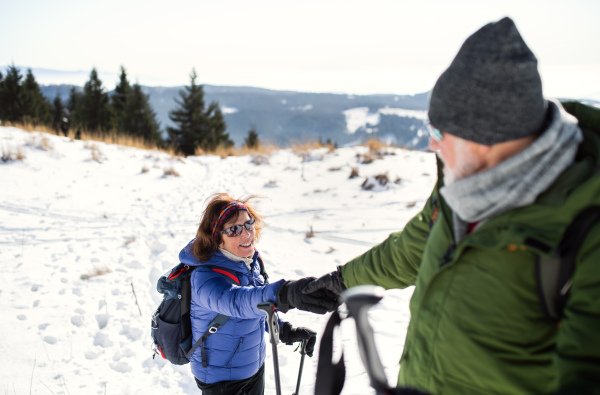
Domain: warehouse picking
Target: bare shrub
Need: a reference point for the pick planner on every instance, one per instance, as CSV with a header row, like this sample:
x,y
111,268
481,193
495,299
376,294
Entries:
x,y
334,169
9,154
310,233
353,173
271,184
97,271
40,142
97,155
411,204
170,171
128,240
259,160
145,169
378,180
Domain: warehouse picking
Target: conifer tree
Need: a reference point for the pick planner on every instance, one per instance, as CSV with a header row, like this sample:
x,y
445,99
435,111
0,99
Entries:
x,y
139,119
11,97
118,101
59,116
95,108
74,111
36,108
251,141
197,127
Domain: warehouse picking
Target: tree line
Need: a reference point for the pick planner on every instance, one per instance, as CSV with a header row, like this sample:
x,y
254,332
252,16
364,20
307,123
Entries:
x,y
125,111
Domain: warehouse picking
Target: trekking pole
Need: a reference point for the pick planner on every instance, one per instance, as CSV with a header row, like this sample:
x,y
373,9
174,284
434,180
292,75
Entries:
x,y
269,308
303,353
358,301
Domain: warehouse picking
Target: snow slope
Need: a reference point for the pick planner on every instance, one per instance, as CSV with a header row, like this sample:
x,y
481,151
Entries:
x,y
72,208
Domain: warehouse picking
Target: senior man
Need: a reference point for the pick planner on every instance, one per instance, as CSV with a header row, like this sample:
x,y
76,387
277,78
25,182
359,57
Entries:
x,y
517,170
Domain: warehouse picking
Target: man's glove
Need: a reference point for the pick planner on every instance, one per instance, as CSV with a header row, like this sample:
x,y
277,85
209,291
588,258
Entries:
x,y
290,296
289,335
332,282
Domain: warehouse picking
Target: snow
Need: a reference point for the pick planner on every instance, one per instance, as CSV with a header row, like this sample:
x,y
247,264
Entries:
x,y
72,208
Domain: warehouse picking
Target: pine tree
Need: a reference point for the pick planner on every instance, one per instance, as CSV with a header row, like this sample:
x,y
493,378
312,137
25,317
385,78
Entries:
x,y
96,111
119,101
74,111
59,116
139,119
36,108
197,127
251,141
11,97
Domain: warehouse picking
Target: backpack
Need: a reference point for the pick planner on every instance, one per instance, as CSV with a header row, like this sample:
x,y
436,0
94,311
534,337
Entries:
x,y
171,325
553,274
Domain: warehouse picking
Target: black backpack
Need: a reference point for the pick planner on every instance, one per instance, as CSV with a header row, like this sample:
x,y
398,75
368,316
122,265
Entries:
x,y
171,326
553,275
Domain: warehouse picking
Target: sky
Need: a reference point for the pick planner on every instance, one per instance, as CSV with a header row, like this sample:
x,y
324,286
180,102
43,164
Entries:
x,y
71,208
340,46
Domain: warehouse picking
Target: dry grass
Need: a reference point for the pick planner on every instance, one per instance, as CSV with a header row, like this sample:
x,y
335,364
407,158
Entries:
x,y
97,271
310,233
381,179
224,152
41,142
109,138
9,154
128,240
354,172
145,170
170,171
377,150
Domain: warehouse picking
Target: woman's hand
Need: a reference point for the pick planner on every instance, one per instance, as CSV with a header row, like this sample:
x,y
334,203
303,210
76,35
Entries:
x,y
289,335
291,295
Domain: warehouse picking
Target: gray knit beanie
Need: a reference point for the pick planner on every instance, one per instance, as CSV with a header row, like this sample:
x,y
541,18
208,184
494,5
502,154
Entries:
x,y
492,91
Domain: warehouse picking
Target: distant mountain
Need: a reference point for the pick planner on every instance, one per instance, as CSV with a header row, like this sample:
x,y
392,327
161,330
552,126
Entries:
x,y
284,117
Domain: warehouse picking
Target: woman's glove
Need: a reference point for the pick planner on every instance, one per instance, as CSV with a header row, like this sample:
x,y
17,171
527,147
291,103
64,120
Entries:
x,y
289,335
290,295
332,282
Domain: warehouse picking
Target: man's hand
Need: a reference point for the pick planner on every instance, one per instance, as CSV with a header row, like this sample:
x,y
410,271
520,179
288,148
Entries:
x,y
291,295
332,282
290,335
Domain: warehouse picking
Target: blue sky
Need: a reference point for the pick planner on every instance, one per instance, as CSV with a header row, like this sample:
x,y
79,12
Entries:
x,y
342,46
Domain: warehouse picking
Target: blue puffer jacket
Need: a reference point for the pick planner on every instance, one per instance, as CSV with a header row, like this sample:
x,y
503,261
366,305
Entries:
x,y
238,349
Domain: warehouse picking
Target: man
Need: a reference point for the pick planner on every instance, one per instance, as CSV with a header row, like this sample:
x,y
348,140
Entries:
x,y
517,170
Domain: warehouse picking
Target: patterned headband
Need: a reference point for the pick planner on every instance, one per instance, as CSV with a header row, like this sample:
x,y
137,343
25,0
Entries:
x,y
225,213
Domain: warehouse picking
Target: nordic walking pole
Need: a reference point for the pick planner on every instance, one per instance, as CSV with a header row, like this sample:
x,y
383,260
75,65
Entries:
x,y
358,301
269,308
303,353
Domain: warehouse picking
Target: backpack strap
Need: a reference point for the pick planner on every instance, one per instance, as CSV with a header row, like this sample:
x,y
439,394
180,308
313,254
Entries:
x,y
263,272
554,274
218,321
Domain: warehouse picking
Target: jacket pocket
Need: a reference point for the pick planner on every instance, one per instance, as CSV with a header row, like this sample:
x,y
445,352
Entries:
x,y
237,347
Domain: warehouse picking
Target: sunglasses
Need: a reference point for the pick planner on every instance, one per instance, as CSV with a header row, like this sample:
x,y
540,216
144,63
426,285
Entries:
x,y
236,230
434,132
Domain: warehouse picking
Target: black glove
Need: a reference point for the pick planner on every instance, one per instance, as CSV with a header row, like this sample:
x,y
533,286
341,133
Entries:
x,y
290,296
289,335
332,282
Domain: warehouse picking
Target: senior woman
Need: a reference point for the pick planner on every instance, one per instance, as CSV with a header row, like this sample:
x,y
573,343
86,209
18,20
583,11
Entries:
x,y
228,281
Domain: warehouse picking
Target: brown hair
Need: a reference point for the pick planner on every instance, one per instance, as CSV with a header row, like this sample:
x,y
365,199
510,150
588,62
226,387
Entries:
x,y
205,245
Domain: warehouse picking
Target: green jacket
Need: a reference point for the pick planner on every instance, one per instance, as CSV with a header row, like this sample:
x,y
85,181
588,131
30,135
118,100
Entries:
x,y
476,322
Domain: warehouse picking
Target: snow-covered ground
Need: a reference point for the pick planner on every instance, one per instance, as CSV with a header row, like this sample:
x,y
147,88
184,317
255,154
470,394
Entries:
x,y
71,208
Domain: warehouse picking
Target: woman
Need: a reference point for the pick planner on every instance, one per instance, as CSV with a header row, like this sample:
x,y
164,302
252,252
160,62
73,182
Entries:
x,y
228,281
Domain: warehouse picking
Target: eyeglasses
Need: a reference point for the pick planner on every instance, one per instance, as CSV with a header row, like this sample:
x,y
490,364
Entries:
x,y
236,230
434,132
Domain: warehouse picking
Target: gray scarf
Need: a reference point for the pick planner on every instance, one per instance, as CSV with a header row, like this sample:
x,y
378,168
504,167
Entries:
x,y
233,257
518,180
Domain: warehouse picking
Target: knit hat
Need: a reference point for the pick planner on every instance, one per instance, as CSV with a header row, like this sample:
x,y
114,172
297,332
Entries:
x,y
492,91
